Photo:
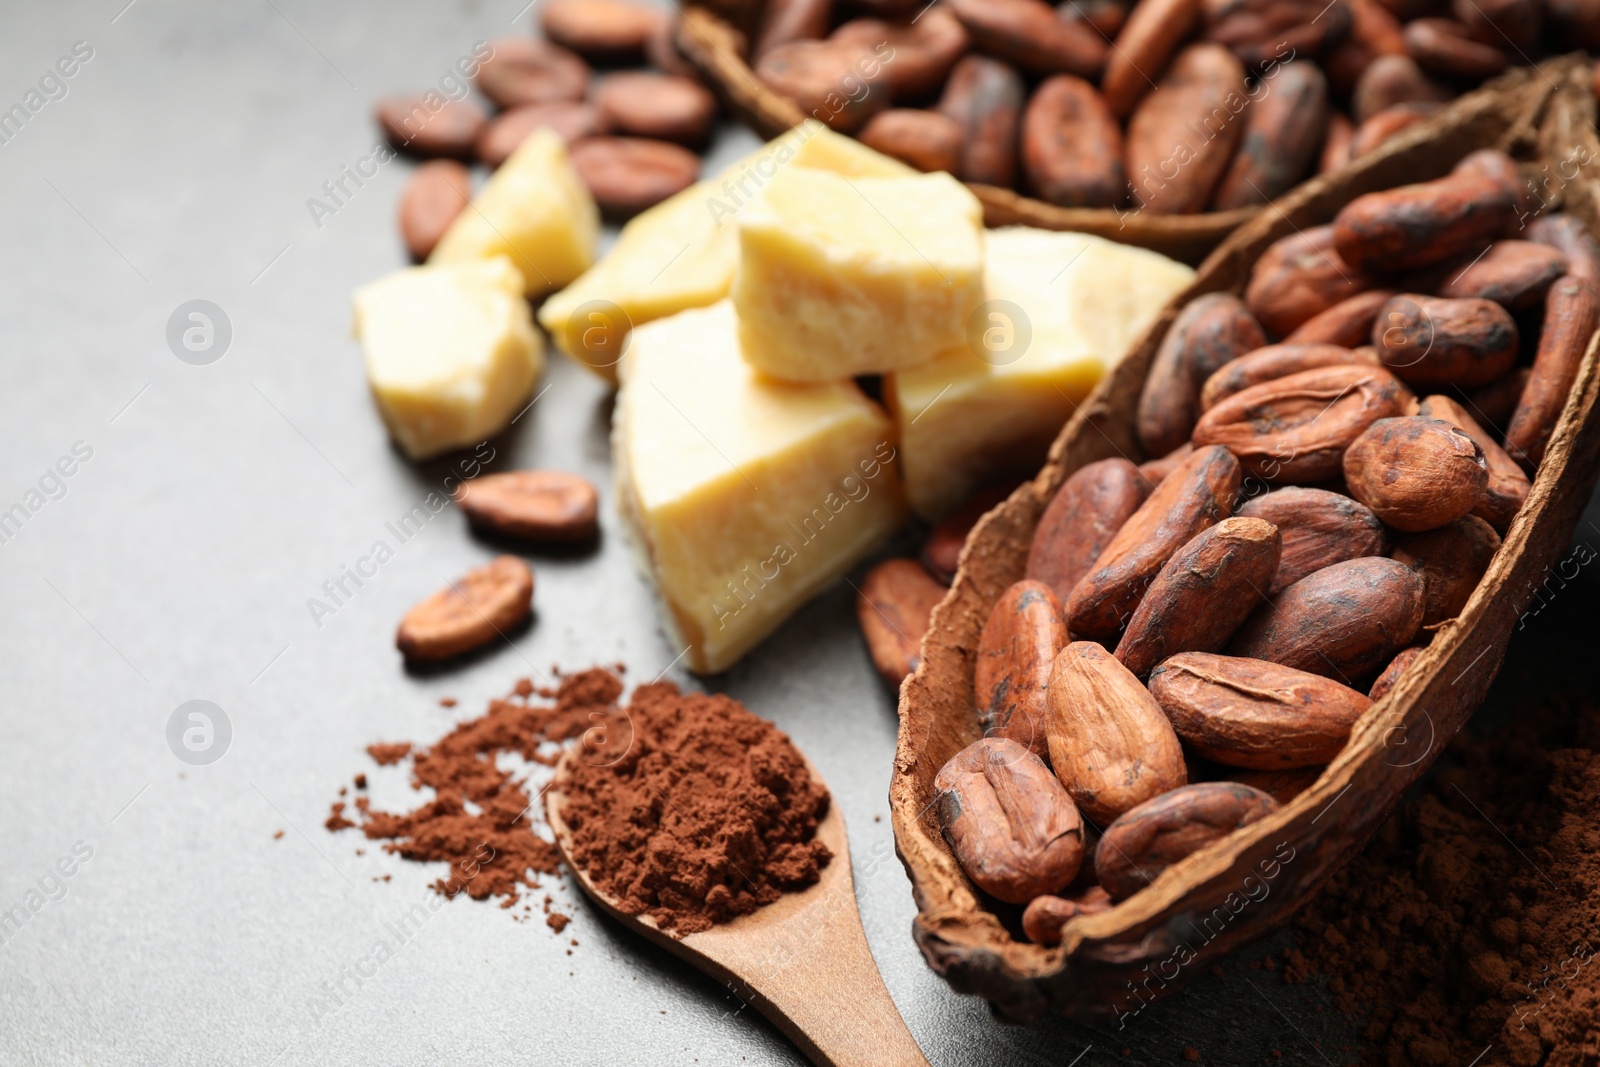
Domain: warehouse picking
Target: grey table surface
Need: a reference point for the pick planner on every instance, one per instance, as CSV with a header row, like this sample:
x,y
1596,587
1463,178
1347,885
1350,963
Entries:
x,y
208,503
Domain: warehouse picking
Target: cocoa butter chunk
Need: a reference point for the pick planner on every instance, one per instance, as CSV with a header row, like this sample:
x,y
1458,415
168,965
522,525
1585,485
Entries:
x,y
537,506
1342,622
893,608
1197,495
1251,713
1416,473
481,606
1147,840
1203,593
1024,632
1011,825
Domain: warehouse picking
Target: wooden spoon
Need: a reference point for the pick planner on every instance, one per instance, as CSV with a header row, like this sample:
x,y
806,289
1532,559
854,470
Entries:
x,y
802,960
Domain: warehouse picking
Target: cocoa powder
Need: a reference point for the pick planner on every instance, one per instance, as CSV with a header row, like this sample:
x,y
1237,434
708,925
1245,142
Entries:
x,y
685,806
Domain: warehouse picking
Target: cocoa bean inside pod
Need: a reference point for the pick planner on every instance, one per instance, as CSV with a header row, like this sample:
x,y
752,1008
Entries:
x,y
1512,24
1251,713
1263,33
1444,48
1390,80
1495,164
1299,276
1011,825
1082,518
1416,473
1419,225
1342,622
1388,123
1493,405
1391,674
1147,840
1029,35
1155,471
1198,494
1110,743
1273,362
1432,341
1572,239
1295,429
1154,32
926,140
840,83
1183,135
1347,323
1072,145
1283,131
893,607
1282,786
1210,331
1508,486
1571,314
1514,274
1015,656
984,98
1044,916
1451,560
1318,529
1203,594
923,50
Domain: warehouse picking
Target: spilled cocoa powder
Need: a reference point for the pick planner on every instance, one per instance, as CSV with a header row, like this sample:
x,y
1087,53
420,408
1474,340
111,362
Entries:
x,y
684,806
1467,930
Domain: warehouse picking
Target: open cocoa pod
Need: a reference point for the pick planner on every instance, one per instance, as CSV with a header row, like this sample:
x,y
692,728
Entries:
x,y
714,44
1254,880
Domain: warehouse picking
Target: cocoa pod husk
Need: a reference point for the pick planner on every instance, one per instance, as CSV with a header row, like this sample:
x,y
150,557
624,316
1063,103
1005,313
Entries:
x,y
1110,743
1251,713
1011,825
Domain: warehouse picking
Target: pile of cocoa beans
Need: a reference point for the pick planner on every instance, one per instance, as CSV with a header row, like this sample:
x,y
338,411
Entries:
x,y
632,135
1173,106
1195,637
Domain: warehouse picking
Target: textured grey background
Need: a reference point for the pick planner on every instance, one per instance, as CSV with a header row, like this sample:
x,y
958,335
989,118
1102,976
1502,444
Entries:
x,y
219,498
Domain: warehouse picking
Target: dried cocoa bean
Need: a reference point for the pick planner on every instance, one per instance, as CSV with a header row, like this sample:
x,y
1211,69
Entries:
x,y
1318,529
1571,313
504,134
1251,713
1282,786
1342,622
1110,743
1386,681
1419,225
1155,30
893,606
1072,146
926,140
1374,32
1295,430
413,126
1211,330
544,507
1451,560
1283,131
472,611
1572,239
1300,276
984,97
1197,495
1155,471
437,192
1277,361
1416,473
662,106
1264,32
1495,164
611,32
1105,17
1575,23
1387,124
924,51
1044,916
521,70
626,175
783,21
1029,35
1082,518
1347,323
1147,840
1442,47
941,552
1514,24
1019,644
840,83
1494,403
1508,486
1203,593
1336,144
1183,135
1391,80
1011,825
1514,274
1433,341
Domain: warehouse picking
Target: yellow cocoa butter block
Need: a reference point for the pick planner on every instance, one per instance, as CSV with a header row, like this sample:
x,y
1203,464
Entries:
x,y
682,252
451,352
744,496
1060,309
534,209
840,276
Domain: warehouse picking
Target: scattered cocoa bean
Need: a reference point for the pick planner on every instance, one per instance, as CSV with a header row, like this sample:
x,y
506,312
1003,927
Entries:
x,y
626,175
472,611
506,131
1571,313
1081,519
1342,622
1072,145
436,193
941,552
1009,822
1210,331
663,106
984,98
1251,713
1434,341
1019,644
1197,495
544,507
1029,35
1318,529
610,32
1183,135
522,70
1299,276
413,126
893,607
1148,839
1110,743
